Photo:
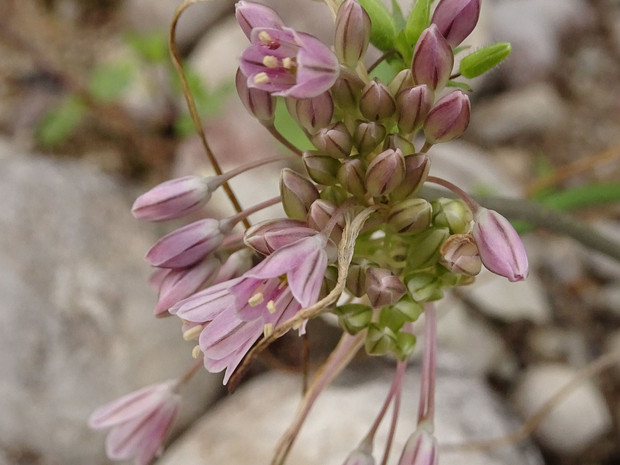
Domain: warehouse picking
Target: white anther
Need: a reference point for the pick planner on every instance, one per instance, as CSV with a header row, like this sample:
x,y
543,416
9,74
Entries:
x,y
261,78
192,333
270,61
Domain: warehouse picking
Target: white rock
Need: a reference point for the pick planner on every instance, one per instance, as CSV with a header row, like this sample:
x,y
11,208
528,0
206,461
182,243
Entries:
x,y
574,423
534,109
498,297
245,427
76,326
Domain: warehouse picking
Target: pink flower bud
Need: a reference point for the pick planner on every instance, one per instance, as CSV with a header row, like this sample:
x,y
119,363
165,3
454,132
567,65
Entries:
x,y
297,194
413,105
251,15
334,140
179,284
259,103
416,171
319,215
432,59
459,254
421,449
172,199
385,172
368,136
448,118
501,249
376,102
352,33
410,216
456,19
321,168
382,287
403,80
139,422
360,457
268,236
187,245
312,113
346,92
351,176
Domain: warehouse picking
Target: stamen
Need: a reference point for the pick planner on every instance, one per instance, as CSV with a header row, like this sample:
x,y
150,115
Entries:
x,y
196,351
261,78
287,62
271,306
256,299
270,61
264,37
268,330
192,333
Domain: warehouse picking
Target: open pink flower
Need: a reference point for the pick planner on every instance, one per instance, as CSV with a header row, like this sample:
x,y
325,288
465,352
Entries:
x,y
281,60
139,422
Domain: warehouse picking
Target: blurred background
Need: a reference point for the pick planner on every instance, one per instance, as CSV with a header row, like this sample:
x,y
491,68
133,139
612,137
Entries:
x,y
91,115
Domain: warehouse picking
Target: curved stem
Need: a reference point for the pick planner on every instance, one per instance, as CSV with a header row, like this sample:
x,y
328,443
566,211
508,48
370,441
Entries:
x,y
383,57
284,141
248,211
464,196
176,61
247,167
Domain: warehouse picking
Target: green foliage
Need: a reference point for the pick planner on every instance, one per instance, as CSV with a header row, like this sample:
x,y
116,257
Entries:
x,y
383,32
108,82
483,60
152,47
418,20
285,124
61,122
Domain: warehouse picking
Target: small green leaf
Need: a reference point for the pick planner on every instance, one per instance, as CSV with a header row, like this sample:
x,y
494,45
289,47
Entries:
x,y
61,122
151,46
418,20
397,15
383,31
108,82
460,85
483,60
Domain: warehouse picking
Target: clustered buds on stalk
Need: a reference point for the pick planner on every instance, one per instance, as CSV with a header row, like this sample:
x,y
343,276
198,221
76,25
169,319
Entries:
x,y
361,195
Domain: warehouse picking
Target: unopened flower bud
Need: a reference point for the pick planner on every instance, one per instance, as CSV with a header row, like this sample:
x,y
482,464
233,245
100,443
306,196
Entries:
x,y
319,215
352,33
351,176
270,235
421,448
410,216
235,265
424,248
356,280
181,283
173,199
413,105
383,287
385,172
321,168
453,214
359,457
368,136
334,140
403,80
346,92
334,194
259,103
448,118
251,15
459,254
379,340
425,287
416,170
432,59
456,19
313,113
189,244
396,141
500,246
354,317
297,194
376,102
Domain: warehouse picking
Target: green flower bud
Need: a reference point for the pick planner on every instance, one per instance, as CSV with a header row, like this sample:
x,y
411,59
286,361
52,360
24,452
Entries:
x,y
347,92
376,103
424,248
453,214
410,216
297,194
403,80
356,280
379,340
334,194
425,287
410,310
385,172
321,168
354,317
368,136
334,140
405,344
351,176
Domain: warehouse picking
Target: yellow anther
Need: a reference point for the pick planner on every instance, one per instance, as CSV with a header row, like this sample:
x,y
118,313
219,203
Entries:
x,y
264,37
287,62
270,61
261,78
268,330
256,299
192,333
271,306
297,325
196,352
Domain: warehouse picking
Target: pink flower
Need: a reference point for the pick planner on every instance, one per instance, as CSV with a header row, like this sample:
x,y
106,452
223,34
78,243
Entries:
x,y
139,422
281,60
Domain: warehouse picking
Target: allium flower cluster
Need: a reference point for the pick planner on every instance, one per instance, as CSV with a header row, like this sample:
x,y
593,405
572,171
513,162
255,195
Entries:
x,y
372,155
